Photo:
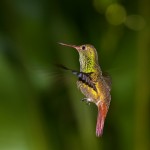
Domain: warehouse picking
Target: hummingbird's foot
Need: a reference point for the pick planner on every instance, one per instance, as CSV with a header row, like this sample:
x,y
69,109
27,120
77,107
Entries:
x,y
87,100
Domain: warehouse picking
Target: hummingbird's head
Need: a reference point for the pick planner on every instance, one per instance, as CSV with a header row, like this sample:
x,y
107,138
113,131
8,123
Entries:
x,y
87,56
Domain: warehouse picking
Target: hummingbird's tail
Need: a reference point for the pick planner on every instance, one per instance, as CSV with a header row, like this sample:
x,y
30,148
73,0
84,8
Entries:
x,y
102,112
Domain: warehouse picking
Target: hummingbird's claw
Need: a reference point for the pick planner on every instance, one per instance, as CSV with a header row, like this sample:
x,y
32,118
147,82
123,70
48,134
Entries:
x,y
87,100
83,99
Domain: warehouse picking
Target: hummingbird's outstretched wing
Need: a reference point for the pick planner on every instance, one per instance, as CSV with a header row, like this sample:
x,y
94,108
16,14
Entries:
x,y
107,79
84,77
63,67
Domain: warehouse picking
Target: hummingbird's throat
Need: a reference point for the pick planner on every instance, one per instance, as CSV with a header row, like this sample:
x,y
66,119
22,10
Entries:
x,y
87,65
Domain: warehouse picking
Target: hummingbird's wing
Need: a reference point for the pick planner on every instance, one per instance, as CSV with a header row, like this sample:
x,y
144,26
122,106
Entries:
x,y
107,79
84,77
63,67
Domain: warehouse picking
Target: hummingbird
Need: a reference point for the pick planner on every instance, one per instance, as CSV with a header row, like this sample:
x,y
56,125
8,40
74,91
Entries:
x,y
94,84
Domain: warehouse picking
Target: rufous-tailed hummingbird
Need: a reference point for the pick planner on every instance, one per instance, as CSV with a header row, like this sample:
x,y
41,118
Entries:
x,y
92,82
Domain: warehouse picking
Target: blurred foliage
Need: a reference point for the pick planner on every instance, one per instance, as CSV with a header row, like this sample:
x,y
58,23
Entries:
x,y
40,107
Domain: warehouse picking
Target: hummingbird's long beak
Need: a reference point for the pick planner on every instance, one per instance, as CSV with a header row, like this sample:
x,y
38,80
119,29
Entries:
x,y
68,45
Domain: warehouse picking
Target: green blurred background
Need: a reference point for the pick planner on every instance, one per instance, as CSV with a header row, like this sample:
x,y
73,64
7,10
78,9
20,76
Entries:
x,y
40,107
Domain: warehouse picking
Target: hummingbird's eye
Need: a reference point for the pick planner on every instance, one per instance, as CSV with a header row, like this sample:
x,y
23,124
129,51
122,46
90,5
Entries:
x,y
83,47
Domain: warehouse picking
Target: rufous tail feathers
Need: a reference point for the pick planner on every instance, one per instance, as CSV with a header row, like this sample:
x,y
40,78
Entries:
x,y
102,112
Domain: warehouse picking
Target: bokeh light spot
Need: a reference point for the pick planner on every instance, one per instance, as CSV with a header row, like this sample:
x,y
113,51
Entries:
x,y
135,22
101,5
115,14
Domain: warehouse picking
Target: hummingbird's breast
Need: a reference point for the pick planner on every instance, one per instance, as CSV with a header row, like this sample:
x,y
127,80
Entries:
x,y
100,93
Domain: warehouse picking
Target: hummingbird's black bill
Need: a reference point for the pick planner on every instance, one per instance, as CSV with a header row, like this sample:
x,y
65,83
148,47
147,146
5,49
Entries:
x,y
68,45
